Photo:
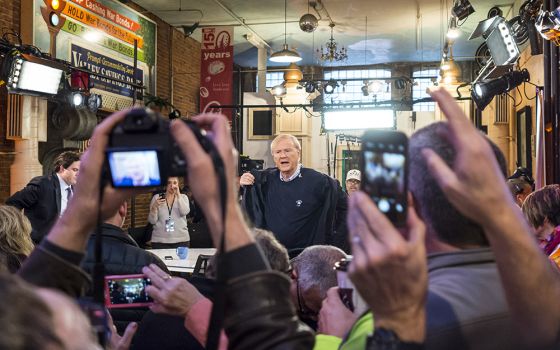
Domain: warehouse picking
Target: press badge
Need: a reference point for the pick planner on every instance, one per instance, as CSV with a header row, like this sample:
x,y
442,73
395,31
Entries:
x,y
169,225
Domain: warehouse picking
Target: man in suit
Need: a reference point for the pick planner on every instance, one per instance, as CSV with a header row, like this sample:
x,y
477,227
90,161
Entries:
x,y
46,197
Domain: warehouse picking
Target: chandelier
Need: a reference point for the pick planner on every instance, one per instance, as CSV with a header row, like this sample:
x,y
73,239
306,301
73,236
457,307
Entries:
x,y
330,52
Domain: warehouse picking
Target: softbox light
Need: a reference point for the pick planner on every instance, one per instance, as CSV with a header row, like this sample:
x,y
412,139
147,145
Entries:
x,y
31,75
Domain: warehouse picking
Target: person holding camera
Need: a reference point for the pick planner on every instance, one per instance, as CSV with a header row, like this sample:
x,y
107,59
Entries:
x,y
168,214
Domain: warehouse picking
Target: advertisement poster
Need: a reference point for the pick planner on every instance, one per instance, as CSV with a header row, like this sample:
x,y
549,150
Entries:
x,y
107,67
216,71
106,28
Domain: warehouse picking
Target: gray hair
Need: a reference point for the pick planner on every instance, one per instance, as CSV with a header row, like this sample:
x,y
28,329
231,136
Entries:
x,y
274,251
280,137
315,267
441,217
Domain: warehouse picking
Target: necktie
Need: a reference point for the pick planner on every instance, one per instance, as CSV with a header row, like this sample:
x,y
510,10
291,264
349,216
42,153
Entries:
x,y
69,194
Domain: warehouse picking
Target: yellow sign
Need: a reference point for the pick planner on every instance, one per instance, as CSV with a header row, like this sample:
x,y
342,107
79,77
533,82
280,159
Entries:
x,y
95,21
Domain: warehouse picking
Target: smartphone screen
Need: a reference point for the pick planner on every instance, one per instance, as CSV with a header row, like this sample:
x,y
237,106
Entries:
x,y
136,168
123,291
385,172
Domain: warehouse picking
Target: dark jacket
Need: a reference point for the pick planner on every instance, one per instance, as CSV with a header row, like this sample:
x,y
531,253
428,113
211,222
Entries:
x,y
259,317
121,256
40,200
331,228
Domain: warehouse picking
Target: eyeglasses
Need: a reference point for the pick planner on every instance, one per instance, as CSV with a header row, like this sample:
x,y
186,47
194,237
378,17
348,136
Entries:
x,y
303,310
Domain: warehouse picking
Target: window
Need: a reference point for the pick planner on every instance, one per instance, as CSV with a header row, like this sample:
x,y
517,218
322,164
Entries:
x,y
423,80
351,91
273,79
359,119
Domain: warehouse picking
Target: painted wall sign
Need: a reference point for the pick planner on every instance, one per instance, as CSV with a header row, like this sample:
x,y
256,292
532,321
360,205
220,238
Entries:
x,y
106,66
105,26
216,71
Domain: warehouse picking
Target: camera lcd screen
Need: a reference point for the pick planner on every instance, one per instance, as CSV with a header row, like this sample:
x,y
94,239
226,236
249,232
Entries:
x,y
134,168
127,291
385,177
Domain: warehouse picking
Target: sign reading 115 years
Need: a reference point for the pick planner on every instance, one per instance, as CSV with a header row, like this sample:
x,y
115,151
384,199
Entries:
x,y
216,70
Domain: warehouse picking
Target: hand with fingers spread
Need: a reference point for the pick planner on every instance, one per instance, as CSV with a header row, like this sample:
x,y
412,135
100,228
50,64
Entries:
x,y
335,318
172,296
389,271
117,342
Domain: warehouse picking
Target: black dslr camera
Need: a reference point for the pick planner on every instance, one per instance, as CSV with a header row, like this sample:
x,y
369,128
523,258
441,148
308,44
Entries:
x,y
142,152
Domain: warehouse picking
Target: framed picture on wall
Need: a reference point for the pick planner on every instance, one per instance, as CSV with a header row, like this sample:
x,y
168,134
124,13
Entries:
x,y
261,124
524,131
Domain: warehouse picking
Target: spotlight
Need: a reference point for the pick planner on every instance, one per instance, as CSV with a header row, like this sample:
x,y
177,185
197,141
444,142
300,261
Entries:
x,y
462,9
175,114
189,30
30,75
330,86
453,32
365,90
94,102
483,92
310,87
278,90
77,99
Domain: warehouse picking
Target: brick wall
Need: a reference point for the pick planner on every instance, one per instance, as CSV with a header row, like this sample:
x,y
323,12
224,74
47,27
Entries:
x,y
9,19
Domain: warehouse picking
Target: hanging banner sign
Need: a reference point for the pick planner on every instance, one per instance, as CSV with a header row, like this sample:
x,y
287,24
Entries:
x,y
216,70
108,67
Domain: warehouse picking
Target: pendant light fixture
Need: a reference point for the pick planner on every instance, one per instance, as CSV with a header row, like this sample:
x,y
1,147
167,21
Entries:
x,y
286,55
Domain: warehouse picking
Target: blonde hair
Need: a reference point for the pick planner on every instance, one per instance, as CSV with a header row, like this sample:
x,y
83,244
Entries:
x,y
15,231
280,137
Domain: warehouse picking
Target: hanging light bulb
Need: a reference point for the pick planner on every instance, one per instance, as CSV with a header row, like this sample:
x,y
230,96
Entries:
x,y
285,55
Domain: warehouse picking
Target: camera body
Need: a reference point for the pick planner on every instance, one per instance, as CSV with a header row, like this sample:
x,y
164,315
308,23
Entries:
x,y
142,152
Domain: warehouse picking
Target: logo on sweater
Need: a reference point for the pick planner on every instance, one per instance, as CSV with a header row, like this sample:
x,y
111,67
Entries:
x,y
299,202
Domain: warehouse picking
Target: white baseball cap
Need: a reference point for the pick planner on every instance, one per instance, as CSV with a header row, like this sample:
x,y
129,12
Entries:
x,y
354,174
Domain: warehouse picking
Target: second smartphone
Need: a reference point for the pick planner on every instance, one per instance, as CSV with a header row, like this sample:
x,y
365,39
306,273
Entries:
x,y
384,165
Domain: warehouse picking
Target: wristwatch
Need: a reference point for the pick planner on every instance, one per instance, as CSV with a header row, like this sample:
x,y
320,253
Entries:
x,y
384,339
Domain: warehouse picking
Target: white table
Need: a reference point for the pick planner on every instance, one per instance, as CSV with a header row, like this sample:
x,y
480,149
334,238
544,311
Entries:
x,y
181,265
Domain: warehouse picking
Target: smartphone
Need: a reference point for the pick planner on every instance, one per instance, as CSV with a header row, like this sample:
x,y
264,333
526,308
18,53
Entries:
x,y
384,166
134,168
122,291
162,196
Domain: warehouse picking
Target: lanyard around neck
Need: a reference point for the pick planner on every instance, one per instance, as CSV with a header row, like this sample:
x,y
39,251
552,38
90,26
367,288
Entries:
x,y
168,208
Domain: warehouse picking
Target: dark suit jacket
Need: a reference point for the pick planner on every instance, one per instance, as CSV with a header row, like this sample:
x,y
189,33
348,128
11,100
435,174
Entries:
x,y
40,200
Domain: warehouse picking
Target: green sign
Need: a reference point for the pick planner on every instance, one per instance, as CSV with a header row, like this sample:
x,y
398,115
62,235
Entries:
x,y
105,41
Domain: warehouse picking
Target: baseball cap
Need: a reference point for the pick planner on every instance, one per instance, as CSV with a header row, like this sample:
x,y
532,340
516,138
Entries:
x,y
354,174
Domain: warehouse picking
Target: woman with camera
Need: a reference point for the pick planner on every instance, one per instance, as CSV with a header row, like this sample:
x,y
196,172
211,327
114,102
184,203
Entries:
x,y
168,214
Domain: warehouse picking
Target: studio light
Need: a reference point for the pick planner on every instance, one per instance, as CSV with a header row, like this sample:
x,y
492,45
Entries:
x,y
94,102
77,99
175,114
278,90
365,90
29,75
483,92
310,87
462,9
453,32
330,86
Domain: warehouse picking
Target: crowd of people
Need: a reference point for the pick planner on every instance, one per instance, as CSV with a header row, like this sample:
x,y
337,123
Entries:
x,y
475,267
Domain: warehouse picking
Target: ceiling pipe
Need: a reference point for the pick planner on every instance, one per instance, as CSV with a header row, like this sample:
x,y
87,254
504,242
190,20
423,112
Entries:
x,y
321,10
240,20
